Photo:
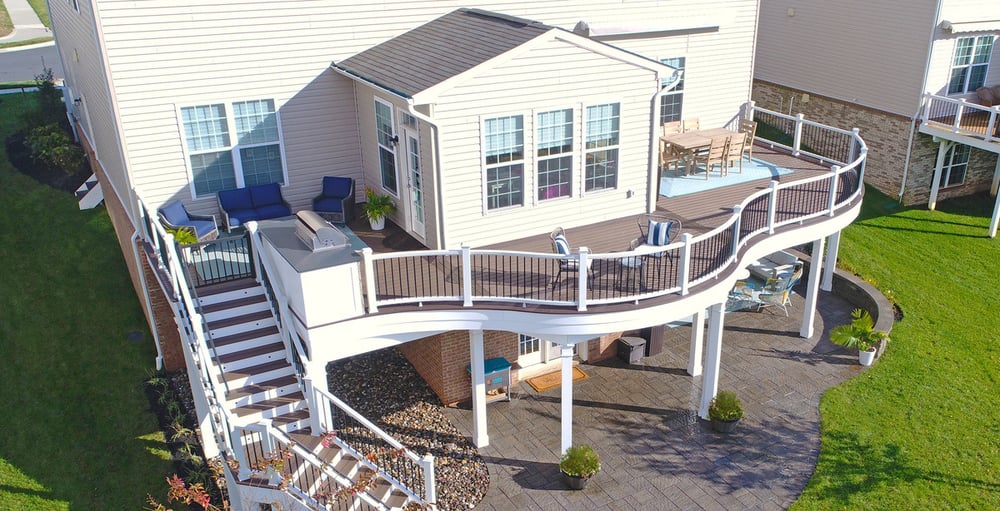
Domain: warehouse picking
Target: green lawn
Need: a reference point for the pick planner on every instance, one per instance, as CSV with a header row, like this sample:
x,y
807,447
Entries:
x,y
76,433
42,11
921,429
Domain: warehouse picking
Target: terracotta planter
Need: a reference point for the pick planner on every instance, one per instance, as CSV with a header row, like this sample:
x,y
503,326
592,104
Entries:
x,y
866,358
724,426
575,482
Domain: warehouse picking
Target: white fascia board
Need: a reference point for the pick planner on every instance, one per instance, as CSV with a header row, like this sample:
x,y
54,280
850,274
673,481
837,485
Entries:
x,y
970,26
611,30
431,94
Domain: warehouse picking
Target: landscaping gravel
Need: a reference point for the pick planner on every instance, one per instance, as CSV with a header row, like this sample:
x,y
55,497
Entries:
x,y
383,387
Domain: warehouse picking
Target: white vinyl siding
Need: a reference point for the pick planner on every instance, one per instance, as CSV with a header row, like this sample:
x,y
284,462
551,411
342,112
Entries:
x,y
970,64
555,154
232,145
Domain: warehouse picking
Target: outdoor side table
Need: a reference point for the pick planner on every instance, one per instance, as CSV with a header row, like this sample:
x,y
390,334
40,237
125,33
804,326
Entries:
x,y
497,372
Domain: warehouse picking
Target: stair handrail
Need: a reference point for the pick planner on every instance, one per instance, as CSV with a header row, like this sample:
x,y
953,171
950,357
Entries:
x,y
425,463
270,436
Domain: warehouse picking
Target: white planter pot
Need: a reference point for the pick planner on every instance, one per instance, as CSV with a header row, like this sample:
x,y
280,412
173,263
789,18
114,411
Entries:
x,y
377,225
866,358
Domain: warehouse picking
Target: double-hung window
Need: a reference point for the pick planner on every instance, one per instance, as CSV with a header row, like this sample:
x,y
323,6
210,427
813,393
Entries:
x,y
671,102
504,142
386,146
969,66
956,163
555,153
232,145
601,138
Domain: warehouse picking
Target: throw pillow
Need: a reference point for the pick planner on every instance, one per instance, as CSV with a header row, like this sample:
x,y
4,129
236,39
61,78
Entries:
x,y
659,233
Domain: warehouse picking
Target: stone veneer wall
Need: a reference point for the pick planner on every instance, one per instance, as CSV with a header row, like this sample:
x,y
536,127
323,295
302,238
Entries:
x,y
163,315
886,135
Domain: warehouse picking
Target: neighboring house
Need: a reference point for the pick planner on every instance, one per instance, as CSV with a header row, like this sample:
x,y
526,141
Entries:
x,y
900,70
485,126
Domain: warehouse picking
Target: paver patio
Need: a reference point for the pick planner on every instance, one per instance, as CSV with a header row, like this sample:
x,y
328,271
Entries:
x,y
655,452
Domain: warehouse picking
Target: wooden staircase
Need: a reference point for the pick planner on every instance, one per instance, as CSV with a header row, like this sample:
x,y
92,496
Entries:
x,y
250,359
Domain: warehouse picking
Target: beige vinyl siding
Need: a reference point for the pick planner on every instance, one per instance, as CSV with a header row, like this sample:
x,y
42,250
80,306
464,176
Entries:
x,y
86,79
163,54
554,76
847,50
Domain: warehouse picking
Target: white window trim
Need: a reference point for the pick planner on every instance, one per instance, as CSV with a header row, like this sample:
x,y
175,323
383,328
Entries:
x,y
576,154
673,92
968,75
233,147
378,145
526,174
584,151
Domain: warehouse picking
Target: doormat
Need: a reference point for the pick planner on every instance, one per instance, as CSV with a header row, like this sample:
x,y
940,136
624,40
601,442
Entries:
x,y
552,380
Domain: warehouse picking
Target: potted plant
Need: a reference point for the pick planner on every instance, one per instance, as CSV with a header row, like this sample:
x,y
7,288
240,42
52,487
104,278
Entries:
x,y
376,208
860,333
725,411
578,464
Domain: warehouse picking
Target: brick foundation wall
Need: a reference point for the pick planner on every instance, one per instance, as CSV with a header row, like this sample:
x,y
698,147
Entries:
x,y
886,135
163,317
441,360
602,348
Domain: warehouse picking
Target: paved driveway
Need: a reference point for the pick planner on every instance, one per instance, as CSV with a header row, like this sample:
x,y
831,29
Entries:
x,y
655,452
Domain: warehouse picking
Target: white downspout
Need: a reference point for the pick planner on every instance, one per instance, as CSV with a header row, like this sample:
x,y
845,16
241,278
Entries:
x,y
146,302
920,102
439,182
653,190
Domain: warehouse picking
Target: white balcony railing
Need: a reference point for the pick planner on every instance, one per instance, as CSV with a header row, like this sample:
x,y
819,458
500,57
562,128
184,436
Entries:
x,y
961,117
469,276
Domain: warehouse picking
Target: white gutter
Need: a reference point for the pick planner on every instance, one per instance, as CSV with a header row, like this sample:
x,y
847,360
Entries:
x,y
146,301
920,102
654,162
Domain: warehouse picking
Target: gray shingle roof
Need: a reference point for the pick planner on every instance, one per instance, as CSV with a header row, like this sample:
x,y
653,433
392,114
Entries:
x,y
440,49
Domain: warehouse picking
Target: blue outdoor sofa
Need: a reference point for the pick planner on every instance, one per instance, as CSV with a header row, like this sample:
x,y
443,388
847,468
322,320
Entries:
x,y
256,202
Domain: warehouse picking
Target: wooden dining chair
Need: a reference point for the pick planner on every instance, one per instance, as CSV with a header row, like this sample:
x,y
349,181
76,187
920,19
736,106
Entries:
x,y
750,128
669,154
691,124
734,152
714,155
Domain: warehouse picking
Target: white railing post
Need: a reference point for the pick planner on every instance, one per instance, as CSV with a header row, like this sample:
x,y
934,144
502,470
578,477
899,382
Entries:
x,y
583,275
958,116
852,154
240,453
369,266
797,143
268,446
466,275
991,126
315,421
430,485
928,99
255,249
772,206
685,263
170,262
834,180
738,213
748,109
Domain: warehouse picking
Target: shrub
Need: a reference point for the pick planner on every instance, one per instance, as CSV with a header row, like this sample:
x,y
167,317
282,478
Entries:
x,y
580,461
725,406
50,145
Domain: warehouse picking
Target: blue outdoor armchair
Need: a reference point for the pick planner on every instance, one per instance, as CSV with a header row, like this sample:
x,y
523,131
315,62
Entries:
x,y
336,203
175,216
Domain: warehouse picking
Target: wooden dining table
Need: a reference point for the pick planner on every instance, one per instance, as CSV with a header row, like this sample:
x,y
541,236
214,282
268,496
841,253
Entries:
x,y
687,142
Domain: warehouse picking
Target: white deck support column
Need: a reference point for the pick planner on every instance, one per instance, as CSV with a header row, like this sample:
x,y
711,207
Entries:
x,y
566,354
830,264
812,290
996,203
479,435
713,358
943,147
697,342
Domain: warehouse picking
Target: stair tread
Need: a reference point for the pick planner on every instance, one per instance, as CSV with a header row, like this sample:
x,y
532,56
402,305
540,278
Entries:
x,y
264,349
232,304
268,404
266,367
246,335
225,287
290,417
239,320
264,386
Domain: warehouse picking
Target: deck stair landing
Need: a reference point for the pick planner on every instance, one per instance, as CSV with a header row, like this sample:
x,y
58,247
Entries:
x,y
250,359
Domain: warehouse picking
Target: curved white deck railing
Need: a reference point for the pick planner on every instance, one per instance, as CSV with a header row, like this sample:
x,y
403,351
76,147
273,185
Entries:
x,y
468,276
